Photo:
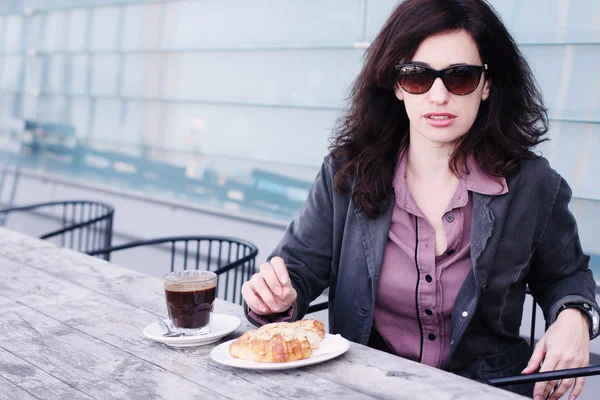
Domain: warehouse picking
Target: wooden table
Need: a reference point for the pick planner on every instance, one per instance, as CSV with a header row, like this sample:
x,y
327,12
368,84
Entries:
x,y
71,328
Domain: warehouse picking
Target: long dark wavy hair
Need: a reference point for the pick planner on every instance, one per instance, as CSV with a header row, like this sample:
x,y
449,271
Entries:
x,y
368,139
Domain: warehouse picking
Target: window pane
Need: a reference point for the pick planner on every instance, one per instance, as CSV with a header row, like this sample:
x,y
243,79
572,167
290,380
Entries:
x,y
14,40
587,213
590,163
79,74
547,63
33,72
52,109
583,21
141,29
105,28
55,35
134,120
77,37
141,75
232,23
104,74
377,13
11,73
29,106
582,98
80,116
279,135
306,78
56,73
107,124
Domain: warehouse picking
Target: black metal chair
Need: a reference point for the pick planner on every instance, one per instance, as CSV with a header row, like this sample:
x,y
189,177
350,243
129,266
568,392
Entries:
x,y
79,225
318,307
233,260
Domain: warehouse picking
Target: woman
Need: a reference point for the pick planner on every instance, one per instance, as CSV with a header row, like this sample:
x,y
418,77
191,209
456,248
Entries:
x,y
431,215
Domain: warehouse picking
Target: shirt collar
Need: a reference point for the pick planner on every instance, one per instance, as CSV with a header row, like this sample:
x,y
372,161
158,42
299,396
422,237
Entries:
x,y
479,182
473,180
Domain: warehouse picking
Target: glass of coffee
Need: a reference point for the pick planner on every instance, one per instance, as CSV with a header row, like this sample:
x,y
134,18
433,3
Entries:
x,y
190,296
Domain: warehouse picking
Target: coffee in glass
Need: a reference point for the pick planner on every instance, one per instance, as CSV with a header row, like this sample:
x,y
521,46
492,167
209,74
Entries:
x,y
190,296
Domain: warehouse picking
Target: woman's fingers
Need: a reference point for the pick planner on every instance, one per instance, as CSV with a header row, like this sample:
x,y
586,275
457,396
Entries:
x,y
253,300
263,290
276,276
566,384
562,388
536,358
270,291
543,388
290,296
579,382
269,274
281,271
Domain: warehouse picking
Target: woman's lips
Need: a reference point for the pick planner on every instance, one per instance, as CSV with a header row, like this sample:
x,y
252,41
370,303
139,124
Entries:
x,y
440,119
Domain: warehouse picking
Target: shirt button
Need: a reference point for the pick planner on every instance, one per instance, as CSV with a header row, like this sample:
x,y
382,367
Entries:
x,y
450,252
450,218
428,312
431,336
428,278
464,314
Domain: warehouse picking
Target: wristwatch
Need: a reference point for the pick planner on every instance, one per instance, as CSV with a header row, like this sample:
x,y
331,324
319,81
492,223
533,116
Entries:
x,y
590,312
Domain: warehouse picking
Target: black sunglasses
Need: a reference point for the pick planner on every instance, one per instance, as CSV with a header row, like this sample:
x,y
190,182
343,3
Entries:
x,y
460,80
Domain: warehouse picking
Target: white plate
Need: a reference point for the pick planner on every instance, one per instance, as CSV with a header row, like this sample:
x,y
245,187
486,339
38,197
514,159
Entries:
x,y
331,347
221,325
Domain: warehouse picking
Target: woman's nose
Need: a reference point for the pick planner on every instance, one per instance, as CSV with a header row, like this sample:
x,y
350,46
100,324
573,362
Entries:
x,y
438,93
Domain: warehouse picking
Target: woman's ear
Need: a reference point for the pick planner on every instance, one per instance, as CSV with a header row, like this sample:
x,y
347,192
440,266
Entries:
x,y
486,89
399,92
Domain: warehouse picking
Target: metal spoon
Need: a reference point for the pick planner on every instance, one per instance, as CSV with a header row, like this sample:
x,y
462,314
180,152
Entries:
x,y
169,333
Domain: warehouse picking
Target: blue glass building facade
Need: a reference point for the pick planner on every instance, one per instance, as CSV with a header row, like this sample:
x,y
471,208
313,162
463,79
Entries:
x,y
231,103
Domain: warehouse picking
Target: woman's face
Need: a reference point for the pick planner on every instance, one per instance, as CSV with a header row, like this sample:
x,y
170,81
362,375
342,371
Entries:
x,y
458,112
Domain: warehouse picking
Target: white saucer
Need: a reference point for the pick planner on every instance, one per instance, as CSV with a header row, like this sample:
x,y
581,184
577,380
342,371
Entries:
x,y
331,347
221,325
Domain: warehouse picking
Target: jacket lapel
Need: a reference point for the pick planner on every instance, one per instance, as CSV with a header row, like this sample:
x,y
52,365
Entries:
x,y
374,234
482,227
482,253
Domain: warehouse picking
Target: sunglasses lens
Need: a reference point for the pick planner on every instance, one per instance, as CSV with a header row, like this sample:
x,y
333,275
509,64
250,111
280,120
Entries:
x,y
414,79
462,80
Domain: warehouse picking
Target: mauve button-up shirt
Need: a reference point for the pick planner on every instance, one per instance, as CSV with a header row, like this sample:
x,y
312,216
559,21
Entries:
x,y
417,289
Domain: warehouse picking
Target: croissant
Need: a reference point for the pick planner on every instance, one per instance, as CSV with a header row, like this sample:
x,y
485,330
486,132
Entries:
x,y
279,342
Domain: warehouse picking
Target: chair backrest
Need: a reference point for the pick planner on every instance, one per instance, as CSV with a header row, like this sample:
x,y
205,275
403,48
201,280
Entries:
x,y
533,315
233,260
79,225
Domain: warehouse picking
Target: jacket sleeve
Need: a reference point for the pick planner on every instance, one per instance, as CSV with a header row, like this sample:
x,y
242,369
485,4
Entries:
x,y
560,268
306,246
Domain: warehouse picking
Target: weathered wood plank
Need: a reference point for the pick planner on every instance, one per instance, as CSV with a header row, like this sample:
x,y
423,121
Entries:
x,y
123,301
30,379
120,283
9,391
17,243
88,364
120,325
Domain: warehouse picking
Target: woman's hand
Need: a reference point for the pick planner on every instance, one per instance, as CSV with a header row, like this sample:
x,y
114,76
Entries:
x,y
270,291
565,345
